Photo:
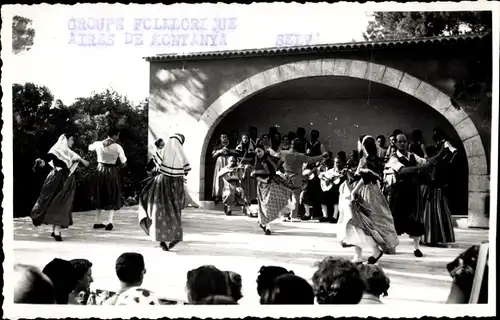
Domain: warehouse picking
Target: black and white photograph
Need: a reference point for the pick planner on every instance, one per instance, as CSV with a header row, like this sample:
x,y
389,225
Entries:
x,y
251,156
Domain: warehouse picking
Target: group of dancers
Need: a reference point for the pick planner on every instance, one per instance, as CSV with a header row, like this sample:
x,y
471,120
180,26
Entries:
x,y
377,194
376,200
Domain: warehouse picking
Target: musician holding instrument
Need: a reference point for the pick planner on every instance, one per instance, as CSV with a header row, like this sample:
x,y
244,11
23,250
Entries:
x,y
220,153
233,194
332,174
245,150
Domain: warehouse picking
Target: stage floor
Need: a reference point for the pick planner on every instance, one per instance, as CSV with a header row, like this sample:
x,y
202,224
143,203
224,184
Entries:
x,y
233,243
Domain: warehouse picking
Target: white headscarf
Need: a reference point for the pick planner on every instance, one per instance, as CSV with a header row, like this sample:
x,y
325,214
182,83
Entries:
x,y
62,151
174,162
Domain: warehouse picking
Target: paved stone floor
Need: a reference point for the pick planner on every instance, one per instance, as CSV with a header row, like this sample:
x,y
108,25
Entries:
x,y
233,243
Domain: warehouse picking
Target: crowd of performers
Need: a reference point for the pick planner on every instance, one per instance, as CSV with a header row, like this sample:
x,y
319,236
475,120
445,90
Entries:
x,y
377,193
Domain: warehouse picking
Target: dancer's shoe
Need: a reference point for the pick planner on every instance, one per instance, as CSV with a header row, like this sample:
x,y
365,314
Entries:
x,y
163,246
58,237
173,244
418,253
373,260
109,227
99,226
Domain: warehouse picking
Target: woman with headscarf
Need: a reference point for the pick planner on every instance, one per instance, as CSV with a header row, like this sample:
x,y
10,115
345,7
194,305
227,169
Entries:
x,y
437,214
245,150
55,202
365,216
272,194
162,199
220,154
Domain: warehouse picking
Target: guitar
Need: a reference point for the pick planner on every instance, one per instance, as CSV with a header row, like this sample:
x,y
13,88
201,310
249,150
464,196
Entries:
x,y
327,184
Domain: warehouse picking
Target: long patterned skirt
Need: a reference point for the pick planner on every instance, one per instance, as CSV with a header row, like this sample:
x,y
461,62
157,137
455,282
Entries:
x,y
108,188
51,187
59,211
437,217
272,197
160,205
406,205
367,222
218,182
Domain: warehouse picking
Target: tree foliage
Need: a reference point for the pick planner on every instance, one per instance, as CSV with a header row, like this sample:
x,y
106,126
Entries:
x,y
400,25
39,120
23,34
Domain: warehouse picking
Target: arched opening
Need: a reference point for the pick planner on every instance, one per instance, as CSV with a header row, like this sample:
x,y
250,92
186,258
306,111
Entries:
x,y
341,108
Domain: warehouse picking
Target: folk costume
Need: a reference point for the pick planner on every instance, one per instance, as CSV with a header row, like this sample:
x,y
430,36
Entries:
x,y
220,154
163,198
108,186
233,193
246,152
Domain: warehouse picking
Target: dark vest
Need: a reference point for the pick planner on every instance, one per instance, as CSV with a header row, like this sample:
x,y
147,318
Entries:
x,y
315,148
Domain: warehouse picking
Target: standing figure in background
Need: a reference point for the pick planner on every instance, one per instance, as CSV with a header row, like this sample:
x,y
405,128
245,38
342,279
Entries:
x,y
55,203
272,195
437,214
417,145
285,145
233,194
276,142
234,139
381,149
265,140
353,161
162,199
220,154
331,180
406,196
301,135
246,152
108,187
315,148
253,134
391,150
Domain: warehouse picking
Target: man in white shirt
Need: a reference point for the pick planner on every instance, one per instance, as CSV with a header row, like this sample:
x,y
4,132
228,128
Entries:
x,y
108,189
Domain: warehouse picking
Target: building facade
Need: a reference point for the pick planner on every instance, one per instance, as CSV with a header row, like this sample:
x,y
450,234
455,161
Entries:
x,y
343,90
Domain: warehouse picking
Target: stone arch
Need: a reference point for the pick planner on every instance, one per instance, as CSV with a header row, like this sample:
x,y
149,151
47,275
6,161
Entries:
x,y
400,80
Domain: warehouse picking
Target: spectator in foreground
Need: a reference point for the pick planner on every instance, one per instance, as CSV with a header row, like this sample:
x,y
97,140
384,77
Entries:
x,y
137,295
288,289
376,283
83,270
204,282
266,277
31,286
337,281
63,277
233,285
130,270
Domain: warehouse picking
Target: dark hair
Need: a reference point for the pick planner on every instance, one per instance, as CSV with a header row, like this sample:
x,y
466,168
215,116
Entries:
x,y
376,282
113,132
234,285
63,277
291,135
217,299
288,289
370,146
301,132
265,135
32,286
205,281
130,267
266,276
81,267
158,142
416,135
342,155
396,132
381,137
438,134
252,129
296,144
337,281
315,133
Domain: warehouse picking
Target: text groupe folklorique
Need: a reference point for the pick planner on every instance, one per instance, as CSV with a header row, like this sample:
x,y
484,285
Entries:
x,y
150,31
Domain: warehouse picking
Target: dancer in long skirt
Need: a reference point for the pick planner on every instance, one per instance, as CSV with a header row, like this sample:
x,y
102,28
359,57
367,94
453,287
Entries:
x,y
55,202
162,199
272,194
233,194
406,200
108,188
220,153
437,215
365,216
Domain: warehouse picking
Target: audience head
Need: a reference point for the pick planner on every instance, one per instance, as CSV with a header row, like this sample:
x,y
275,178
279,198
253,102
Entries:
x,y
114,133
224,138
63,277
31,286
401,142
288,289
266,276
381,141
376,282
130,269
205,281
234,285
83,270
337,281
217,299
